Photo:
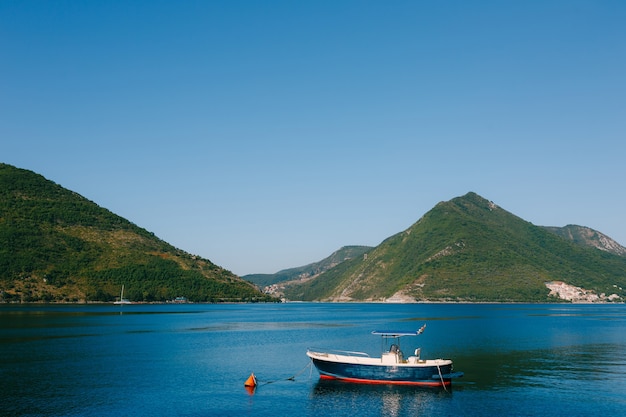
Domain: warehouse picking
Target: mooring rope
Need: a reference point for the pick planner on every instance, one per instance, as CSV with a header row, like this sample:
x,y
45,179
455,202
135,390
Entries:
x,y
291,378
441,376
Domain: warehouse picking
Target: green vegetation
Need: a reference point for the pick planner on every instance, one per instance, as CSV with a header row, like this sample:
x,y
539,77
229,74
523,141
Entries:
x,y
55,245
468,249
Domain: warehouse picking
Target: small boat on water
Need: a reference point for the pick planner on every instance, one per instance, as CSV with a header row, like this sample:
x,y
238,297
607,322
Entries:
x,y
390,368
122,300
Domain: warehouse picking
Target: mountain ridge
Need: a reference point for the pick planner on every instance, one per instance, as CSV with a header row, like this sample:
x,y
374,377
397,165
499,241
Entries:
x,y
468,249
270,282
586,236
56,245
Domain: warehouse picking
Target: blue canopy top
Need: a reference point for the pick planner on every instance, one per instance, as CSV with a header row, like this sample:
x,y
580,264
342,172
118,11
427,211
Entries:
x,y
390,333
393,333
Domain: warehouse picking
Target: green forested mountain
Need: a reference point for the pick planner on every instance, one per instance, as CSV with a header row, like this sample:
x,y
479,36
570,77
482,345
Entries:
x,y
310,270
469,249
55,245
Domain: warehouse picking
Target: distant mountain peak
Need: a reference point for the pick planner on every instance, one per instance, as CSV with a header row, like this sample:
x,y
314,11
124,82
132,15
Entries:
x,y
470,249
586,236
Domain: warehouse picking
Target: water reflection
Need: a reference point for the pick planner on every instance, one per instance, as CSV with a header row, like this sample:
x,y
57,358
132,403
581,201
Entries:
x,y
427,319
389,400
569,367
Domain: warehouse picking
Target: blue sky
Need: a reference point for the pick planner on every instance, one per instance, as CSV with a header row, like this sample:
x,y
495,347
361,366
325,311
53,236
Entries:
x,y
264,135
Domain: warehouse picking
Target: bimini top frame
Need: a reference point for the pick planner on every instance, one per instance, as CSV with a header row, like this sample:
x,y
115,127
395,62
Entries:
x,y
396,334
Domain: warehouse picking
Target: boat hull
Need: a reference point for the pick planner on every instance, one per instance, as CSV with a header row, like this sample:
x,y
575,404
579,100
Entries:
x,y
435,374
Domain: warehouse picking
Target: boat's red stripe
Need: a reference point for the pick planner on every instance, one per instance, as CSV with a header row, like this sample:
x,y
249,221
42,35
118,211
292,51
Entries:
x,y
376,381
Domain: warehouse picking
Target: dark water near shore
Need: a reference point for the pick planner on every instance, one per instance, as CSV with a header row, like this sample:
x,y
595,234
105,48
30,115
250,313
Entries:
x,y
192,360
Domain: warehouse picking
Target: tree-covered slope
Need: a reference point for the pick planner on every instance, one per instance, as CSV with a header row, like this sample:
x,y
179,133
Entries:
x,y
468,249
55,245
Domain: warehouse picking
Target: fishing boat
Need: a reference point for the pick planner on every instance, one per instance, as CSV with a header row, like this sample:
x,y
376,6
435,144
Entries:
x,y
122,300
390,368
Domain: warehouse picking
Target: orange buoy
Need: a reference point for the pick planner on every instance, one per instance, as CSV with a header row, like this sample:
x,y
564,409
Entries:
x,y
251,381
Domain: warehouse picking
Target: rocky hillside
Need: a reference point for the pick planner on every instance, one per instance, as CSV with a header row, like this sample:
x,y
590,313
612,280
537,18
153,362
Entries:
x,y
588,237
275,283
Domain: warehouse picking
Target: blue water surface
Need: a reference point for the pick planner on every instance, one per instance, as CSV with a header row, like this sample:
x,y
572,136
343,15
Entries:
x,y
192,359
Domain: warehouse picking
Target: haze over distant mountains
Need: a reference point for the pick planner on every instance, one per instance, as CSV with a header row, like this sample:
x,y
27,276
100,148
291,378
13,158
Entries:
x,y
310,271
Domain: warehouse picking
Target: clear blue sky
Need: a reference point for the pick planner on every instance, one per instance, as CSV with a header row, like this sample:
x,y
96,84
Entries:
x,y
264,135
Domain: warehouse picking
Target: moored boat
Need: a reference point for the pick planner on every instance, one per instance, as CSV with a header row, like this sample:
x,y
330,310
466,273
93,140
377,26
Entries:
x,y
122,300
390,368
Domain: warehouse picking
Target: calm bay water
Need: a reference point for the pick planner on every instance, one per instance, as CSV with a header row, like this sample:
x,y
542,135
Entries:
x,y
192,360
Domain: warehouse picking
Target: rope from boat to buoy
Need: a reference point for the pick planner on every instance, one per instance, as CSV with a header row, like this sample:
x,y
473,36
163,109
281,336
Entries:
x,y
252,381
441,376
293,377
